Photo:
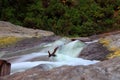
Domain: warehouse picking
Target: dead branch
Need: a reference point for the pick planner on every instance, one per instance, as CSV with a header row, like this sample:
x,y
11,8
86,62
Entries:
x,y
53,53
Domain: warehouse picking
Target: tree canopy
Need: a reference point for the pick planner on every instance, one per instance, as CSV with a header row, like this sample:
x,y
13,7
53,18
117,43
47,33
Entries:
x,y
64,17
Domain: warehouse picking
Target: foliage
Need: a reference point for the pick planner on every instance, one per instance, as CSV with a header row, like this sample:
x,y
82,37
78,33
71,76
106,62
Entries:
x,y
64,17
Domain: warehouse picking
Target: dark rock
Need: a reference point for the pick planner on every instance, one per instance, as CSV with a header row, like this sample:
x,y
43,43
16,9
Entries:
x,y
94,51
4,67
83,39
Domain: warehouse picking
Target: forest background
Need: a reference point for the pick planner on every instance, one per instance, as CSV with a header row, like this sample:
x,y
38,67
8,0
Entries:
x,y
64,17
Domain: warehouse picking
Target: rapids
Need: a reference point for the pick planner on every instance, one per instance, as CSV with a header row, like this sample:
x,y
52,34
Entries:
x,y
66,54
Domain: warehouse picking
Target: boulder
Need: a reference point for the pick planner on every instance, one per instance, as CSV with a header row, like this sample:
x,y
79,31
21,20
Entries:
x,y
94,51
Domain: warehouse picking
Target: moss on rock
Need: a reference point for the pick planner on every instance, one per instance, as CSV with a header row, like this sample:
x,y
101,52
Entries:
x,y
115,54
105,42
6,41
111,47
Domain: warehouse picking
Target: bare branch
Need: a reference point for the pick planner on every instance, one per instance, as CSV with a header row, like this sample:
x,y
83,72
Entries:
x,y
53,53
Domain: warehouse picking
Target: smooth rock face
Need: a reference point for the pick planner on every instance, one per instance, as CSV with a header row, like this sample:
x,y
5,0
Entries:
x,y
9,29
94,51
28,37
114,41
106,70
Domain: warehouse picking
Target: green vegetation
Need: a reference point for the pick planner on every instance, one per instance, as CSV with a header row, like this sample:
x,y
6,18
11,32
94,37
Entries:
x,y
64,17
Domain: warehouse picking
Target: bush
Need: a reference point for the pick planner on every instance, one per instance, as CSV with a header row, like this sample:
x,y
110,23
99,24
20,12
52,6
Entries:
x,y
64,17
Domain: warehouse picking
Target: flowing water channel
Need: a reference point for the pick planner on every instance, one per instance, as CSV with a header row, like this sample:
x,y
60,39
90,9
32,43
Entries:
x,y
66,54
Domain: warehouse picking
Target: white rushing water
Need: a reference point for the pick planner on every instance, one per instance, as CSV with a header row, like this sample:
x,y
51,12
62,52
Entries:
x,y
71,49
29,56
65,55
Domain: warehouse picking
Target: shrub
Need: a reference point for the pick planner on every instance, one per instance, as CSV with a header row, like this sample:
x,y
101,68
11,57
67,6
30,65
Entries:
x,y
64,17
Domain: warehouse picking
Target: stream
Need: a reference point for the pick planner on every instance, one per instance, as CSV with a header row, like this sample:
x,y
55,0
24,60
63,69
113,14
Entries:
x,y
66,54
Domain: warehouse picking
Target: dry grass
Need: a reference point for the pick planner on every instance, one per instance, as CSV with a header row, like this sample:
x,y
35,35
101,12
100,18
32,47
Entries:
x,y
114,49
6,41
105,42
115,54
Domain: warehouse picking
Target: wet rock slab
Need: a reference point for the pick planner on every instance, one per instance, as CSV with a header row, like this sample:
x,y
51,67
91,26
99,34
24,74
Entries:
x,y
94,51
29,43
106,70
